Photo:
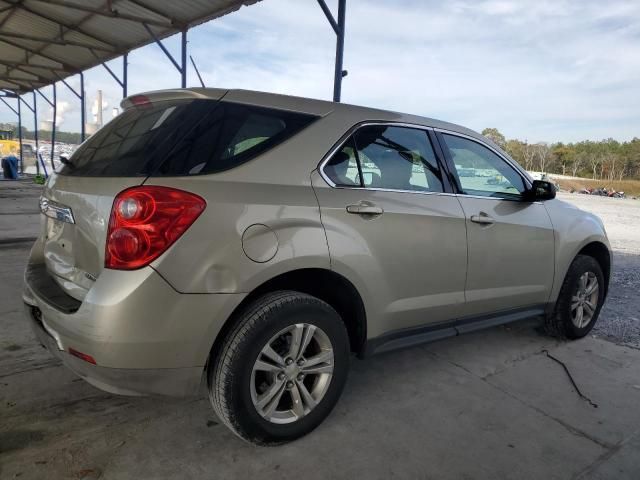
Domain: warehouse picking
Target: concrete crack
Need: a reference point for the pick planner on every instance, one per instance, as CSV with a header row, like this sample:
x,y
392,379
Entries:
x,y
571,429
573,382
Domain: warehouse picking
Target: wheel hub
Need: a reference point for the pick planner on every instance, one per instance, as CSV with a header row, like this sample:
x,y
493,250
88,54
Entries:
x,y
292,371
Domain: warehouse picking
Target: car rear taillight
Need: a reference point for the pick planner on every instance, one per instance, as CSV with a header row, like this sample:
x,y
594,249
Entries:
x,y
140,101
145,221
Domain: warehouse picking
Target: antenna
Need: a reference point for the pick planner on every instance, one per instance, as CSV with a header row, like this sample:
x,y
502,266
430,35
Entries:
x,y
197,72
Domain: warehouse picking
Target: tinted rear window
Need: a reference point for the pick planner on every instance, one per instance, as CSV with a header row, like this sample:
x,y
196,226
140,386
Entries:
x,y
183,138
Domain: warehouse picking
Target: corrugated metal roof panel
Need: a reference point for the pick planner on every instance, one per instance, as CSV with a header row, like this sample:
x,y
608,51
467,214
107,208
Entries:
x,y
42,40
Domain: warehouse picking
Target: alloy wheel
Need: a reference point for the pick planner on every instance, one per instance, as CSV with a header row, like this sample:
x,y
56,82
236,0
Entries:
x,y
585,300
292,373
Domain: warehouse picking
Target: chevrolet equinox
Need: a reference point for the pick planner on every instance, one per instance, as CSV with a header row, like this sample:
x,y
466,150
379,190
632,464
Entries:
x,y
253,242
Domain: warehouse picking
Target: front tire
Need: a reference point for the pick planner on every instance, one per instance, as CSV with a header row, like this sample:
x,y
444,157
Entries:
x,y
580,300
281,369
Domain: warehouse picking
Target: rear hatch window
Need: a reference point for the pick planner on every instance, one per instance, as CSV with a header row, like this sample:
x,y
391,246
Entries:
x,y
186,137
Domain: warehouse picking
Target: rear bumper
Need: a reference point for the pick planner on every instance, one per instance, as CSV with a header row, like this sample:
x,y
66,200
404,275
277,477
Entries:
x,y
145,337
121,381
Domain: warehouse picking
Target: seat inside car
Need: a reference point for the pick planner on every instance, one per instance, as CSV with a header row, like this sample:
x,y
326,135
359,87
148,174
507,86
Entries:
x,y
337,168
395,171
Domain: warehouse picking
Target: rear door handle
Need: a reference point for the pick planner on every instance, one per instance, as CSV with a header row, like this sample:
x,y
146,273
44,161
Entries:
x,y
482,219
365,209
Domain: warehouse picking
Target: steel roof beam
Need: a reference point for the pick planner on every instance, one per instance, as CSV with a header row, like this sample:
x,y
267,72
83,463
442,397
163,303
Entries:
x,y
61,34
13,88
63,41
10,14
20,69
8,7
73,90
36,52
115,77
339,29
25,102
164,49
45,97
7,104
20,83
155,11
329,15
24,79
17,66
54,105
82,101
105,13
8,93
73,28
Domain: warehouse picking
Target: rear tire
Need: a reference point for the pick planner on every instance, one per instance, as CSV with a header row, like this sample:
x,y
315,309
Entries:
x,y
580,300
281,369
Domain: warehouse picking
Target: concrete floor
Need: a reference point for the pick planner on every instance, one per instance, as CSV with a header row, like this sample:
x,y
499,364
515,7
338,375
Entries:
x,y
487,405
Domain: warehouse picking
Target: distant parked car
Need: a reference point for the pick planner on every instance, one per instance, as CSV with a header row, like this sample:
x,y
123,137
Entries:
x,y
466,172
254,242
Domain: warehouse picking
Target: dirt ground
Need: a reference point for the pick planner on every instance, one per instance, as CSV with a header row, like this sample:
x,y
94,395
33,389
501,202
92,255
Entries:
x,y
496,404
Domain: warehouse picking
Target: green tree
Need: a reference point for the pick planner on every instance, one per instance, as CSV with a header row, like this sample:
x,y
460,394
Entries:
x,y
495,135
562,156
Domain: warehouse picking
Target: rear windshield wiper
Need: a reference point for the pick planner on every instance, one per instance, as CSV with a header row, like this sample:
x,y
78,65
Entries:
x,y
65,161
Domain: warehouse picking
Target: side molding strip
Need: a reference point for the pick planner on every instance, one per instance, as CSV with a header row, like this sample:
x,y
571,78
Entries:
x,y
409,337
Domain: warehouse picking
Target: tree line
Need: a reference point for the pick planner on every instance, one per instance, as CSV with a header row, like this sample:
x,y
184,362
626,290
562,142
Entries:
x,y
600,160
62,137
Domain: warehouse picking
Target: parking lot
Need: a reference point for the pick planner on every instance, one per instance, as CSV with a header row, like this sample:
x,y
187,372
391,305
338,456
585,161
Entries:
x,y
494,404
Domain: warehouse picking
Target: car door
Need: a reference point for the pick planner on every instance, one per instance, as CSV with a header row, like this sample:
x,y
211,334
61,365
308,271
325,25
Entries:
x,y
392,227
510,240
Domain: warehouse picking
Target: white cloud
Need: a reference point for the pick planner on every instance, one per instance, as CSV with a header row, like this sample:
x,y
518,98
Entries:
x,y
542,70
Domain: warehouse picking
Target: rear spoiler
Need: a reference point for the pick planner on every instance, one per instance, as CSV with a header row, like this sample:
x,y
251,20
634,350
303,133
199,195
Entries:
x,y
260,99
175,94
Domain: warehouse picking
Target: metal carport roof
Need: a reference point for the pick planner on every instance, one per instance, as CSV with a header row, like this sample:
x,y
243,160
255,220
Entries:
x,y
42,41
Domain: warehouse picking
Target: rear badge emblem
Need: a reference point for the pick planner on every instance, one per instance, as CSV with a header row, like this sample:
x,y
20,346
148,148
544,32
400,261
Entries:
x,y
56,211
89,276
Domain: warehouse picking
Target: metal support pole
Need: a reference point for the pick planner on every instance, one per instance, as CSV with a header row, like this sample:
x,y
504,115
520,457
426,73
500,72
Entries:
x,y
35,133
20,134
182,67
81,98
54,106
338,74
183,71
193,63
125,63
83,108
53,127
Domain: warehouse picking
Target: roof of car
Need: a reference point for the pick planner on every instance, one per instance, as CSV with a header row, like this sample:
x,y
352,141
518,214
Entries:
x,y
304,104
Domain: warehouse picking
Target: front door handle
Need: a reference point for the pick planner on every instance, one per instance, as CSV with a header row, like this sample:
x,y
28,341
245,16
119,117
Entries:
x,y
365,209
482,219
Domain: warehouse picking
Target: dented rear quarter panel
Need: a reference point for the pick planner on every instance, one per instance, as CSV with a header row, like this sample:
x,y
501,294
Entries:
x,y
273,190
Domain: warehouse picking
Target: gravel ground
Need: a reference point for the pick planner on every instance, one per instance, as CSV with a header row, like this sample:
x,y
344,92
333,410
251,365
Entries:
x,y
620,317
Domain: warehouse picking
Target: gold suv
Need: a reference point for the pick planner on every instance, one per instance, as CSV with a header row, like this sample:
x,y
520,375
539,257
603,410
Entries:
x,y
253,242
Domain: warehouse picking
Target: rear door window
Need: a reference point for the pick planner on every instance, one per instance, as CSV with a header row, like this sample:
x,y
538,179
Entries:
x,y
386,157
183,138
397,158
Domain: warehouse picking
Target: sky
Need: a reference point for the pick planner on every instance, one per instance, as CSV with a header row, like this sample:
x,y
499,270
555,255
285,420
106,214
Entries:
x,y
537,70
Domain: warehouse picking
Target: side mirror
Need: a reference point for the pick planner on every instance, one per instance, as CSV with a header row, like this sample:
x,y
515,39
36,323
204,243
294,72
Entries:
x,y
541,190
